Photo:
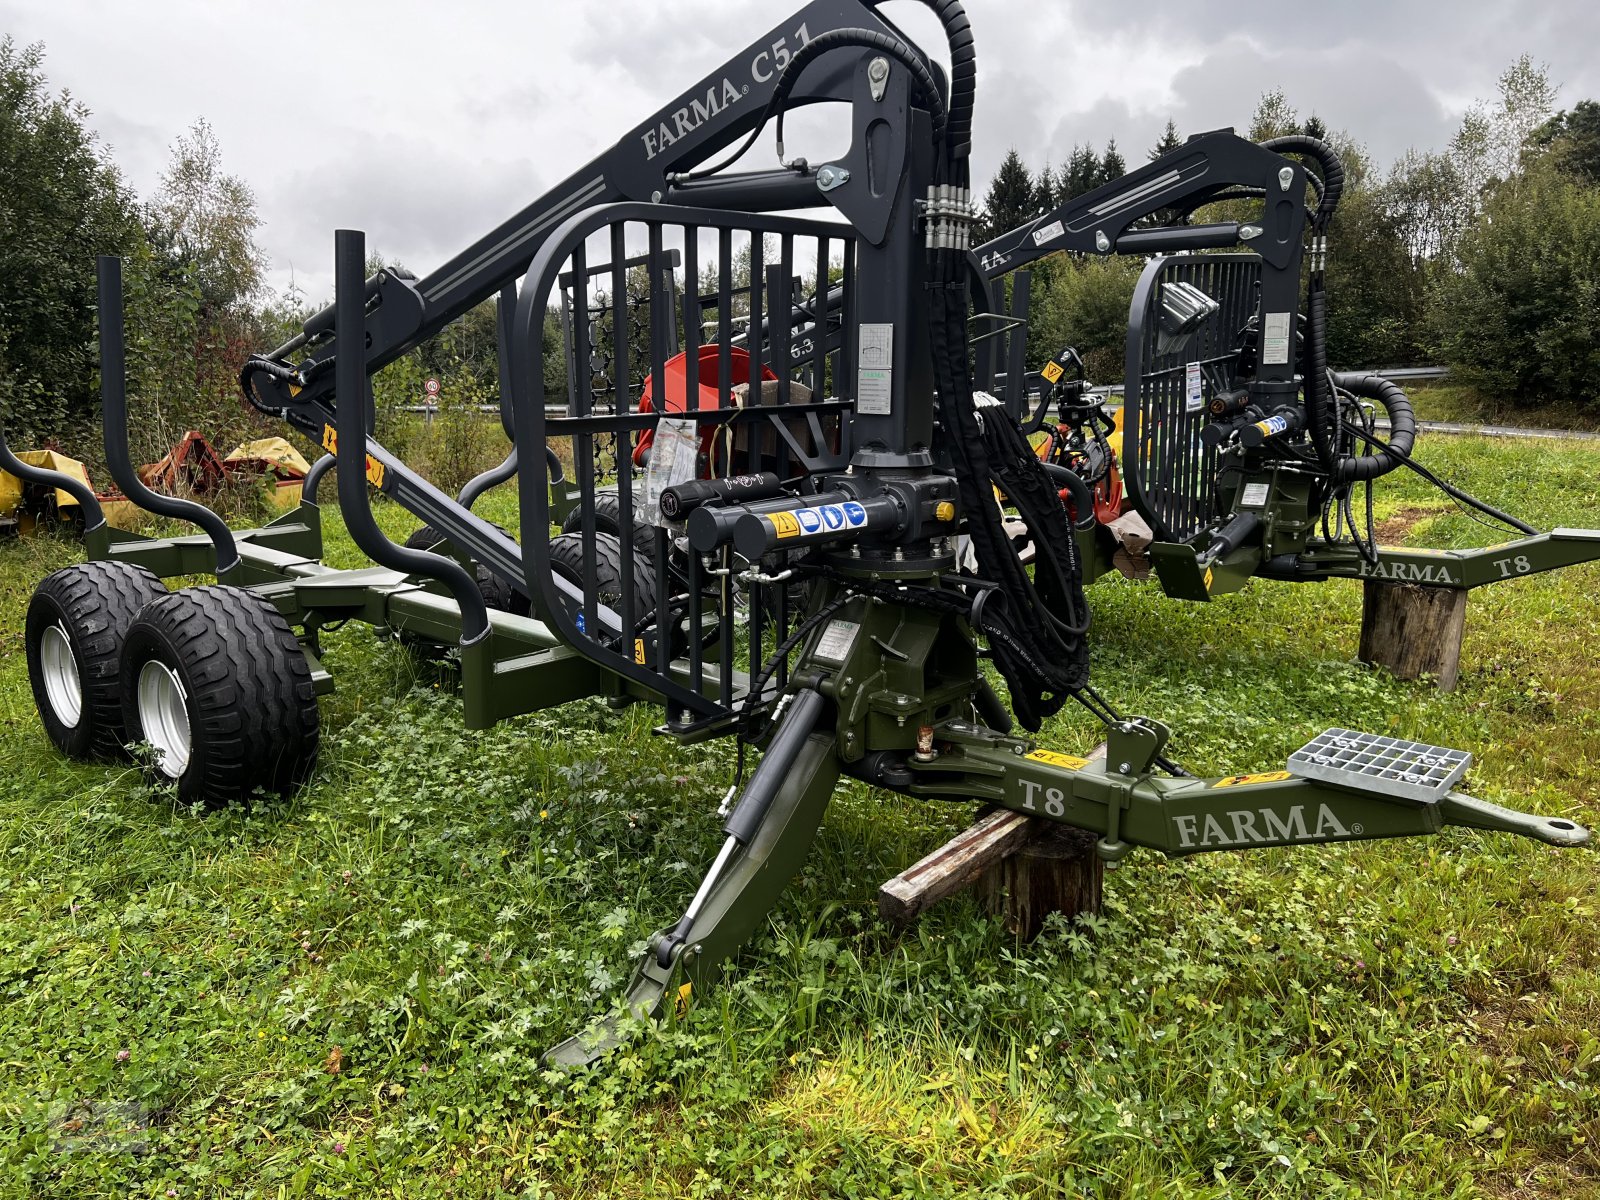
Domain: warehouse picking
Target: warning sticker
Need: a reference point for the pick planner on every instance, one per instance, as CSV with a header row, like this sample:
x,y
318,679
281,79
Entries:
x,y
330,443
875,370
785,524
1255,495
810,520
1246,780
855,514
1053,371
1069,761
638,651
1210,575
1275,338
1194,399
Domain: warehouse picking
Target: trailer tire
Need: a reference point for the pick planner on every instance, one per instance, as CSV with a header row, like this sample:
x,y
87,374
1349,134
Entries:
x,y
496,592
215,680
73,632
608,519
566,557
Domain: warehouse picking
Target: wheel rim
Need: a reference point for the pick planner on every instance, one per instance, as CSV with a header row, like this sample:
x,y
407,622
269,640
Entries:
x,y
60,670
164,717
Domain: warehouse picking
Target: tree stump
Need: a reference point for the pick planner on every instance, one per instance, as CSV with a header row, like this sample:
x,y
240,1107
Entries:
x,y
1055,870
1412,630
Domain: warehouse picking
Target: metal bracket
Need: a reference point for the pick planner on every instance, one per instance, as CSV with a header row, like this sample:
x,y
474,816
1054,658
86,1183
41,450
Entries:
x,y
830,176
878,76
1132,745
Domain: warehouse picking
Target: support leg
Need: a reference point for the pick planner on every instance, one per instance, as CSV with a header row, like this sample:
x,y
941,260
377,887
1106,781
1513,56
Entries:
x,y
770,834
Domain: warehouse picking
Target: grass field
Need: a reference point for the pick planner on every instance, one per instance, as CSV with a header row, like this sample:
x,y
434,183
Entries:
x,y
346,994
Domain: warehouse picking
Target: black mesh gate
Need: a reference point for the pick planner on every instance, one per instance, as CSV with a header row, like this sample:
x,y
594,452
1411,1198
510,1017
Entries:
x,y
721,339
1173,373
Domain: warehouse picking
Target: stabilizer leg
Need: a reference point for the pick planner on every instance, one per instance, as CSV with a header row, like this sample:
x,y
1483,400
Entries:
x,y
770,833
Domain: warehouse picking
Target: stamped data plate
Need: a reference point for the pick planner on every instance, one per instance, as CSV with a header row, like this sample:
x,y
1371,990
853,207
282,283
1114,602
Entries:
x,y
1390,766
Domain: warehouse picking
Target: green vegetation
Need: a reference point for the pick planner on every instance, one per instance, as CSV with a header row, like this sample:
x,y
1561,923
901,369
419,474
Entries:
x,y
346,994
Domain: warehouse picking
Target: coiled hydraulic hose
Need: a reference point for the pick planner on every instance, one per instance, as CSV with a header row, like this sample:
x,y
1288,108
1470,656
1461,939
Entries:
x,y
1402,426
963,71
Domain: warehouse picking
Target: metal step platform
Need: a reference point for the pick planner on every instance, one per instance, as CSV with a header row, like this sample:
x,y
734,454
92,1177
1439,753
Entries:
x,y
1391,766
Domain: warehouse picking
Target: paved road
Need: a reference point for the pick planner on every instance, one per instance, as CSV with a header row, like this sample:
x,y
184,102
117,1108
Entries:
x,y
1507,431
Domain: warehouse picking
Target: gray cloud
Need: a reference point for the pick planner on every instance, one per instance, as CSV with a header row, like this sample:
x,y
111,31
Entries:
x,y
428,124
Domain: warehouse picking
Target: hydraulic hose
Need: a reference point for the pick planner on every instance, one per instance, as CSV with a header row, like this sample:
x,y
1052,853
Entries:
x,y
867,39
1402,425
963,71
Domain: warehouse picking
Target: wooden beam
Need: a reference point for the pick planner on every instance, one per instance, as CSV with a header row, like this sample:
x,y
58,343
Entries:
x,y
956,865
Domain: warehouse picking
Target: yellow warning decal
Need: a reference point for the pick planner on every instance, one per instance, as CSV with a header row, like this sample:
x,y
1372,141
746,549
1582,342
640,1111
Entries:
x,y
638,651
785,525
1210,575
1069,761
1053,371
1245,780
330,443
684,993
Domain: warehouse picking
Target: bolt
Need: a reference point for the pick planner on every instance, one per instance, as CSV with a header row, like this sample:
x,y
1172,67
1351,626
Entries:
x,y
655,197
1101,242
1124,768
878,70
1285,178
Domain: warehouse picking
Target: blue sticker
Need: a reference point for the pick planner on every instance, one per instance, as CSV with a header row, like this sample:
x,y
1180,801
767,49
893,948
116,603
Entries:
x,y
855,514
832,516
809,521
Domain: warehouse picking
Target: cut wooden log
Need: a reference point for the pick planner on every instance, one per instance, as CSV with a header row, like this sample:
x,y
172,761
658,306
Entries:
x,y
1412,630
1024,868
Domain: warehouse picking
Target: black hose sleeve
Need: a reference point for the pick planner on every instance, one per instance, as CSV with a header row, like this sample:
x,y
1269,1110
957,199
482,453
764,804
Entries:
x,y
1319,393
963,71
1402,426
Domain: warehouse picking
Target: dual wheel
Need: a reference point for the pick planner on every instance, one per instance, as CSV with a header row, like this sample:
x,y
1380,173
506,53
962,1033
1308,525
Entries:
x,y
212,678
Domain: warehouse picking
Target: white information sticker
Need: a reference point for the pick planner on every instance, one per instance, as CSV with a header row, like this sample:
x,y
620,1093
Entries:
x,y
1047,233
875,371
1255,495
1193,391
836,640
1275,338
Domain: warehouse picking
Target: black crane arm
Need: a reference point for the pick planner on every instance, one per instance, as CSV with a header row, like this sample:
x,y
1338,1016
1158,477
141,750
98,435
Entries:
x,y
646,164
1207,165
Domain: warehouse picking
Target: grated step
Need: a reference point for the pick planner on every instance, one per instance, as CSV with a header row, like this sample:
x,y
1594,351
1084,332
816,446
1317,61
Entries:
x,y
1386,765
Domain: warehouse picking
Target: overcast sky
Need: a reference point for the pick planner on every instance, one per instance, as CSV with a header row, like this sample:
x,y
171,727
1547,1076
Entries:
x,y
426,124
